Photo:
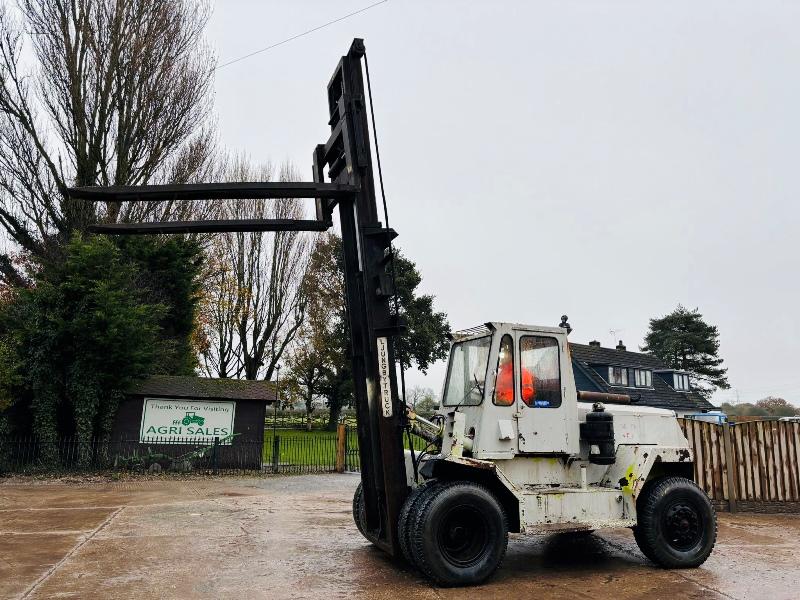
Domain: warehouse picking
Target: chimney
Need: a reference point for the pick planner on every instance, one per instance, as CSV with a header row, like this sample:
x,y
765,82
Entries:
x,y
621,346
594,343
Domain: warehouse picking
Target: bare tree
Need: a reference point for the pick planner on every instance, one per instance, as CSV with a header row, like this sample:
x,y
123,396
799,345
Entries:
x,y
217,345
308,370
422,399
119,94
255,295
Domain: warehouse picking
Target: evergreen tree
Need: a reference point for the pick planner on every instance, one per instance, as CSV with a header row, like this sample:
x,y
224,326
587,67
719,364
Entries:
x,y
683,340
169,274
90,325
425,340
95,93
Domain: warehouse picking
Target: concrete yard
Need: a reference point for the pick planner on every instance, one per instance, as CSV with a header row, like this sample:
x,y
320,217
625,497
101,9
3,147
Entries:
x,y
293,537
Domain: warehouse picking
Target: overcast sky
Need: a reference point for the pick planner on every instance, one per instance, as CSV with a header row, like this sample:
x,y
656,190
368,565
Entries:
x,y
605,160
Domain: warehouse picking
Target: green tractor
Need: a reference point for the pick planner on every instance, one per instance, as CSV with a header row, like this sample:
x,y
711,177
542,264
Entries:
x,y
192,417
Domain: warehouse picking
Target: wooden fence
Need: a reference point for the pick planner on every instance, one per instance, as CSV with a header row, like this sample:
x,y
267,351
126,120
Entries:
x,y
747,466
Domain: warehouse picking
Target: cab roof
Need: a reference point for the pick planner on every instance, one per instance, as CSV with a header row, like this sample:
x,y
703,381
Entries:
x,y
491,326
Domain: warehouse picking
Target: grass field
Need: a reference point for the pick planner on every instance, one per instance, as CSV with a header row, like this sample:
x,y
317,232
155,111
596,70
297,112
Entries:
x,y
315,448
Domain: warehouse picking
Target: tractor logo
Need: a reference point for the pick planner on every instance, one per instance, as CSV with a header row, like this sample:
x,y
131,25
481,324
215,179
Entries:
x,y
192,417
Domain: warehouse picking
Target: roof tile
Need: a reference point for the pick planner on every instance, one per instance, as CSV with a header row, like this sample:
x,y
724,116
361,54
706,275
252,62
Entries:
x,y
584,357
204,388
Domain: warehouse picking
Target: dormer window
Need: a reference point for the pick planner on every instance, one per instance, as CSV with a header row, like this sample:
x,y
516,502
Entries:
x,y
617,375
643,377
681,382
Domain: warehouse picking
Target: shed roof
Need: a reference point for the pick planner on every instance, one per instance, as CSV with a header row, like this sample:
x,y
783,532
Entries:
x,y
170,386
660,395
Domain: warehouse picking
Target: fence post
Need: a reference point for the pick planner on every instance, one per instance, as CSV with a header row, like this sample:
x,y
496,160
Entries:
x,y
347,460
276,451
341,436
733,470
214,454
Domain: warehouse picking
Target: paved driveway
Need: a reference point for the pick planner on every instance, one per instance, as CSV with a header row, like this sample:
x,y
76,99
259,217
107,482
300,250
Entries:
x,y
292,537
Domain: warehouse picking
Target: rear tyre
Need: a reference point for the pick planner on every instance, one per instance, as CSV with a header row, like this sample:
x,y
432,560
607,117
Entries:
x,y
677,525
459,535
640,541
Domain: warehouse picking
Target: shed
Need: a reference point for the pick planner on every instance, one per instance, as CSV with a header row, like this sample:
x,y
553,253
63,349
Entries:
x,y
176,410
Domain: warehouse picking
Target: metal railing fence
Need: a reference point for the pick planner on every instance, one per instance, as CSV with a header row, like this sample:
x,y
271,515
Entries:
x,y
280,451
286,452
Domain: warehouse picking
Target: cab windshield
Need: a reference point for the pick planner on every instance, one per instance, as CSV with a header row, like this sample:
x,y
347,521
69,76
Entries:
x,y
466,375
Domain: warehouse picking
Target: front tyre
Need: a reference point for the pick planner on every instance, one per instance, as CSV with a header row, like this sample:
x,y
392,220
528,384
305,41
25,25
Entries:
x,y
677,525
408,517
358,509
460,534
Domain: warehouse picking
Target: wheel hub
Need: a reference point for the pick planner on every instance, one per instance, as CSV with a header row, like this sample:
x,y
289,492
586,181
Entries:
x,y
463,535
683,525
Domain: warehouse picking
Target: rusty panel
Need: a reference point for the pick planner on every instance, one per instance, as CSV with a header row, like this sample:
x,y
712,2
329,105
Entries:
x,y
686,428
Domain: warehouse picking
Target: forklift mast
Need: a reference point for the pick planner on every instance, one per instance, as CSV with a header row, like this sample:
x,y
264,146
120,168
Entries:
x,y
366,245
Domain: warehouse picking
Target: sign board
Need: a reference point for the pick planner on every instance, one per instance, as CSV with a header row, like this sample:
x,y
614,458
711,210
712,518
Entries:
x,y
385,381
164,419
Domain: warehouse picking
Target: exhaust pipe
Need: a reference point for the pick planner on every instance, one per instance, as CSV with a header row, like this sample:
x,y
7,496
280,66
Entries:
x,y
604,397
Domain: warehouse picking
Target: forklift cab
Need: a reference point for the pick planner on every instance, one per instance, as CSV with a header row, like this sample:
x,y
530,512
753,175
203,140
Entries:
x,y
514,385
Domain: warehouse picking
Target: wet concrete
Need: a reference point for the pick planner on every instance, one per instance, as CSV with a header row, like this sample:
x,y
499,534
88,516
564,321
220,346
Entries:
x,y
293,537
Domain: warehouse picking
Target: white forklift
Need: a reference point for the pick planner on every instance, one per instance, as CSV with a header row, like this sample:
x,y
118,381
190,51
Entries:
x,y
520,450
515,448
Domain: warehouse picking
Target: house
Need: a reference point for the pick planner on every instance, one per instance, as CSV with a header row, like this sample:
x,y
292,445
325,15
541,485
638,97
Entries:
x,y
643,377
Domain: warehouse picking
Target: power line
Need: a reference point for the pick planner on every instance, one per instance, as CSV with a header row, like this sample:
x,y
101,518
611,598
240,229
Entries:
x,y
299,35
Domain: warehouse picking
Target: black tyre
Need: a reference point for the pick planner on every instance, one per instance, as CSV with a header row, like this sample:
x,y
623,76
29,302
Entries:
x,y
459,535
408,516
358,509
677,525
638,536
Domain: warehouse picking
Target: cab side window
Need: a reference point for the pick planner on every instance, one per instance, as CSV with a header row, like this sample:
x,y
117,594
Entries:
x,y
540,371
504,382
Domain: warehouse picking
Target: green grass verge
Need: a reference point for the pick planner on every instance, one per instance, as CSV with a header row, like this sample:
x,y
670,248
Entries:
x,y
315,448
